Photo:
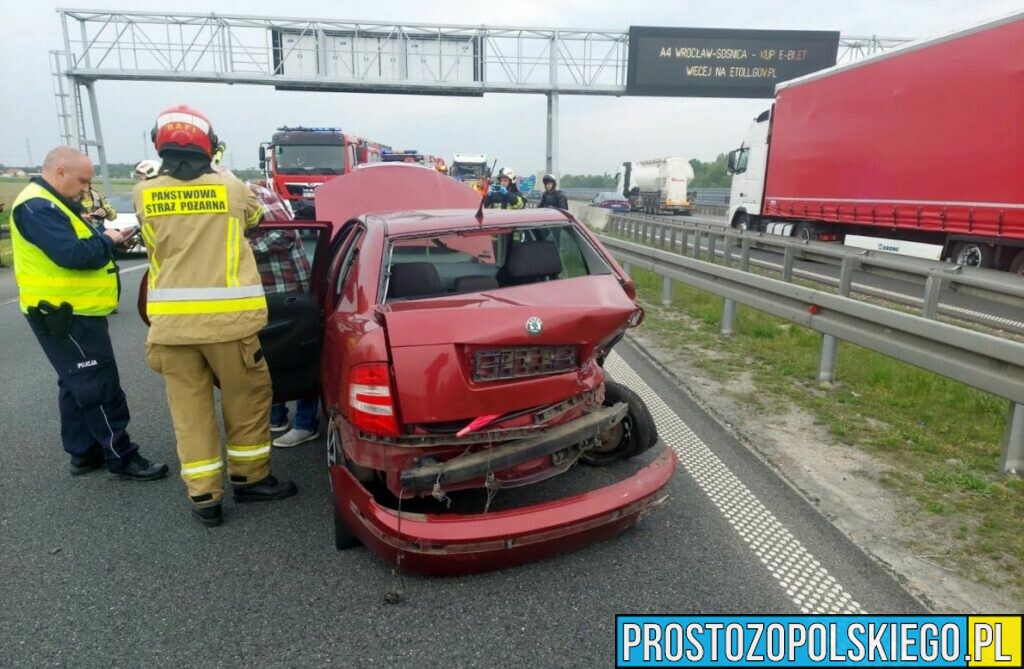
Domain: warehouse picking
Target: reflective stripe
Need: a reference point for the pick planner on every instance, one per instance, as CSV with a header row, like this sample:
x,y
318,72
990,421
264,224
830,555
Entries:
x,y
248,453
206,306
64,282
199,294
181,117
231,251
255,216
201,468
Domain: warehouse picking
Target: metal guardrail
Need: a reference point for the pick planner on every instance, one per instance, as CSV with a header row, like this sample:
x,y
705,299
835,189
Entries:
x,y
700,197
978,359
984,284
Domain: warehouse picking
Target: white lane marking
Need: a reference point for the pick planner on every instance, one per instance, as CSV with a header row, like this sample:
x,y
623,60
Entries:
x,y
126,270
799,573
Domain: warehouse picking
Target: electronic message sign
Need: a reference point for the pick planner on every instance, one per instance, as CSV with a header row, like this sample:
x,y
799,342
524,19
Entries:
x,y
722,63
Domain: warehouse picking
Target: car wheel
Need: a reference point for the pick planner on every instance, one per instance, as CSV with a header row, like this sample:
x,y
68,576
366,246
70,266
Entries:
x,y
1017,264
974,254
633,435
741,222
805,232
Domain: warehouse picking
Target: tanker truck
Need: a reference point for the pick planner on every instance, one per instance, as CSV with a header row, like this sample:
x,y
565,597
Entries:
x,y
656,186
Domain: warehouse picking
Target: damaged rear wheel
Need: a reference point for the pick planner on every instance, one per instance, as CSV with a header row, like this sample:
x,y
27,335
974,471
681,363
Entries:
x,y
631,436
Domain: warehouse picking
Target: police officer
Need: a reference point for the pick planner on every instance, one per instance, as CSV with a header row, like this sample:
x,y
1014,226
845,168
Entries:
x,y
552,197
505,194
205,306
67,284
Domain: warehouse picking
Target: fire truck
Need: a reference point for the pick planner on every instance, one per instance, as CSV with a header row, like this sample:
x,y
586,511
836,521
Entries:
x,y
298,159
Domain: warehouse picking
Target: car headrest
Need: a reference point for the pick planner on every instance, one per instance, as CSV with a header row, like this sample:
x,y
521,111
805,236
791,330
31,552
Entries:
x,y
474,283
533,260
414,279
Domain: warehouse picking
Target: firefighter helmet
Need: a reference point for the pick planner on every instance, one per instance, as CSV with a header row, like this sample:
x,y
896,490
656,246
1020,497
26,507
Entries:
x,y
507,172
183,128
147,169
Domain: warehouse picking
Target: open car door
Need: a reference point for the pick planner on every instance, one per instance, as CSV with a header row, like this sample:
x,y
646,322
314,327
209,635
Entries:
x,y
293,335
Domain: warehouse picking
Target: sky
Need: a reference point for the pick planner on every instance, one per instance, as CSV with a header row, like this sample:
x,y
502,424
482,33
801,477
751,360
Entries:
x,y
596,133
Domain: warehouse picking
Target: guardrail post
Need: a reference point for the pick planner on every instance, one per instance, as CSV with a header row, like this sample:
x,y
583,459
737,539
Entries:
x,y
745,254
684,242
829,344
627,269
672,240
728,316
663,237
932,288
696,244
712,244
666,291
787,264
727,251
827,364
1013,446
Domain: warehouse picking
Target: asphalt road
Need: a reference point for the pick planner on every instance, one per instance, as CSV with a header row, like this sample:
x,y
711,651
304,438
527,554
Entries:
x,y
96,572
976,309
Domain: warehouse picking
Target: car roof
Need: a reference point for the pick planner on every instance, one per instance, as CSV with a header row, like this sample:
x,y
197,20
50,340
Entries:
x,y
438,220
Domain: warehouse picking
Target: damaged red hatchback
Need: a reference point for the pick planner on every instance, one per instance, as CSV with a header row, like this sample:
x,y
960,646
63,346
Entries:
x,y
461,350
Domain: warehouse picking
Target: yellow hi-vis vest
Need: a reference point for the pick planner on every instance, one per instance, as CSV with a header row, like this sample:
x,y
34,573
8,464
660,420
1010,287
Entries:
x,y
90,292
204,284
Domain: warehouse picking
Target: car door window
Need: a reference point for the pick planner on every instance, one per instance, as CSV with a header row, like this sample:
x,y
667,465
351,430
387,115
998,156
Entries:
x,y
347,263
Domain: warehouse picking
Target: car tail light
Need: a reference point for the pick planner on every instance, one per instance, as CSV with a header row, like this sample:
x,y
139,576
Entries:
x,y
372,408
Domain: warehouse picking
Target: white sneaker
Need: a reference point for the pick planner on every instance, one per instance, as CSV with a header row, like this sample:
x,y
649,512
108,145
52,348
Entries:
x,y
295,436
279,427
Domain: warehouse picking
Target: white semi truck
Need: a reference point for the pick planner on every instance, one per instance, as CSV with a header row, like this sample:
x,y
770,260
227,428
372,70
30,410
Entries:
x,y
468,167
656,186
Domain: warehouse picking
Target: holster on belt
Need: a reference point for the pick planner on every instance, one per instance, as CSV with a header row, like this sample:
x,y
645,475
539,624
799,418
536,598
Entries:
x,y
51,320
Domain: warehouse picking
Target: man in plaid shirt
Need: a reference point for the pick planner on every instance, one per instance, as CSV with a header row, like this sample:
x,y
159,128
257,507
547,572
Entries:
x,y
280,257
284,268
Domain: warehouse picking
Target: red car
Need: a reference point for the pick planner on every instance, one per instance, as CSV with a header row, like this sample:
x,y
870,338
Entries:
x,y
453,352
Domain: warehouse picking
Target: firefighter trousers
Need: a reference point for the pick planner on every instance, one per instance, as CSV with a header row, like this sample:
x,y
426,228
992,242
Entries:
x,y
190,372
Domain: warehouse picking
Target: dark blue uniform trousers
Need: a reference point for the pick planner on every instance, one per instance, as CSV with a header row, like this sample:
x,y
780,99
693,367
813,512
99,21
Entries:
x,y
93,408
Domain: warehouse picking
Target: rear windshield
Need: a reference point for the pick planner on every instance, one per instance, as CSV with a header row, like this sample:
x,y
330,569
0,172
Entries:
x,y
471,261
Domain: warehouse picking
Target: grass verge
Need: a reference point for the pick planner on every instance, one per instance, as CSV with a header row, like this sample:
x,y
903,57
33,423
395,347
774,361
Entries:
x,y
941,439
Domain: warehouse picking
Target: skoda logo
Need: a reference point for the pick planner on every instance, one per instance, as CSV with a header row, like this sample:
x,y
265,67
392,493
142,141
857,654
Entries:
x,y
534,325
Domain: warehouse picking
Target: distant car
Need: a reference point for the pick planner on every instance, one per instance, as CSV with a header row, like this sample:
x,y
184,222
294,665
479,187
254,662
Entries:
x,y
126,219
613,201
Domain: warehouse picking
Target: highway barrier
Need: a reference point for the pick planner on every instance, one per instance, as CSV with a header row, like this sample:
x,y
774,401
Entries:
x,y
718,260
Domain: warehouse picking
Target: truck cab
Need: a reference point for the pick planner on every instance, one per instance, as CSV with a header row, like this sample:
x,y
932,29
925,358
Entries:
x,y
747,165
468,167
299,159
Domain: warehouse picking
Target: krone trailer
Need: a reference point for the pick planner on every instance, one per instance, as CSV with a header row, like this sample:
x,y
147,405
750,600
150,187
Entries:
x,y
655,186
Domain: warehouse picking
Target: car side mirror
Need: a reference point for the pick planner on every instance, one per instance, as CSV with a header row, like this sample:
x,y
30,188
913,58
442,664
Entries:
x,y
731,164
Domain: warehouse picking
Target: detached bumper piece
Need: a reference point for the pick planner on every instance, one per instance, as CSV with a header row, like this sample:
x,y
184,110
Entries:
x,y
450,544
423,477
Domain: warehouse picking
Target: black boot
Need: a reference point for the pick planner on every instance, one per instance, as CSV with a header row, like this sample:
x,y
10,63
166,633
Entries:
x,y
138,468
85,463
267,490
211,516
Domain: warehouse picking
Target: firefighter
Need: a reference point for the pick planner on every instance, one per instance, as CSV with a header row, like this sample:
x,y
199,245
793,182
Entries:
x,y
205,306
552,197
147,169
505,194
67,285
95,208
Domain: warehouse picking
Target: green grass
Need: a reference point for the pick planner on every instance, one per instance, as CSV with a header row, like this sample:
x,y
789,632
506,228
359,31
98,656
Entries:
x,y
942,439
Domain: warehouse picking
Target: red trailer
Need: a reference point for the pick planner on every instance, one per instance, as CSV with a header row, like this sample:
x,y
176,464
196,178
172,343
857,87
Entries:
x,y
918,150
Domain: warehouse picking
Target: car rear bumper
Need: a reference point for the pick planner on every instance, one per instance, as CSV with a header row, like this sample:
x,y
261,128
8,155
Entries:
x,y
569,436
448,544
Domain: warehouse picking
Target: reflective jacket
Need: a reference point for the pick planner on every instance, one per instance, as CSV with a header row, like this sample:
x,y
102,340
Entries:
x,y
90,292
93,201
203,283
